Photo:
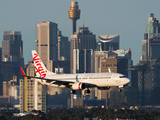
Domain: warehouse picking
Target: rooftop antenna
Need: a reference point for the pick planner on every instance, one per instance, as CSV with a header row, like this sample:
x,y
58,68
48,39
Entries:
x,y
83,18
12,26
148,41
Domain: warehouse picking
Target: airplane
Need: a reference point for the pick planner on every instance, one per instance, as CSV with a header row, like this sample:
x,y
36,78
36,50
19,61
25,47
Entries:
x,y
77,81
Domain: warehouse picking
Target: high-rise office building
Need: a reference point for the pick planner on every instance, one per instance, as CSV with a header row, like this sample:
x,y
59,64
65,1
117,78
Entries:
x,y
118,61
12,56
12,46
83,39
153,25
14,94
82,61
27,95
40,97
148,81
151,49
121,53
63,47
147,69
109,41
47,48
47,43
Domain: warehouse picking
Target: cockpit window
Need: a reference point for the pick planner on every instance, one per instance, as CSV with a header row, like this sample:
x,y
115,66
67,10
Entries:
x,y
122,76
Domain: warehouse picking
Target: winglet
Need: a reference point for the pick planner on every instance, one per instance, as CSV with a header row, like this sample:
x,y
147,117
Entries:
x,y
109,70
23,72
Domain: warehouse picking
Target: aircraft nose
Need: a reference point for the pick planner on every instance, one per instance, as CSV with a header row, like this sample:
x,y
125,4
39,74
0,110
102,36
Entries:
x,y
127,80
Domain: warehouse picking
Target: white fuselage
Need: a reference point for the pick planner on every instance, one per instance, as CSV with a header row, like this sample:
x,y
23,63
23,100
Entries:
x,y
98,79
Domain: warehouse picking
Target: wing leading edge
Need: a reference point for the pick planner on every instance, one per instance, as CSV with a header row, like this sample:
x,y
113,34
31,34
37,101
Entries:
x,y
49,80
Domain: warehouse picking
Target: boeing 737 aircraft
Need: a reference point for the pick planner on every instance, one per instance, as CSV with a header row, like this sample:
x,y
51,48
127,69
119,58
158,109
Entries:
x,y
78,81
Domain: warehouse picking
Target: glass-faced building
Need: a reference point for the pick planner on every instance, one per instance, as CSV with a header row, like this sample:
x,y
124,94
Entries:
x,y
109,42
148,82
82,61
12,46
151,49
83,39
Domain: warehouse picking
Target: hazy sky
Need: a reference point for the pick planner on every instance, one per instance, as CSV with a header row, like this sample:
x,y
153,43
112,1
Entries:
x,y
128,18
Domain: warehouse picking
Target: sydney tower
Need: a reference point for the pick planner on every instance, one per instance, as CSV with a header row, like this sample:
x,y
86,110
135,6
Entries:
x,y
74,13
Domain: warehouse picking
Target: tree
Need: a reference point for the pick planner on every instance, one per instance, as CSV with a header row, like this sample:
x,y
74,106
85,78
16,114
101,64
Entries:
x,y
7,115
49,115
2,118
27,117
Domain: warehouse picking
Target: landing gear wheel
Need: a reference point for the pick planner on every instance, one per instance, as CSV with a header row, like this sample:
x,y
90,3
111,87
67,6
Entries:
x,y
72,91
120,90
87,91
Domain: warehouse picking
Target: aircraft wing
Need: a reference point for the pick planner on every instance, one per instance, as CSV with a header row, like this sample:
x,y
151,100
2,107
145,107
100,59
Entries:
x,y
59,82
54,81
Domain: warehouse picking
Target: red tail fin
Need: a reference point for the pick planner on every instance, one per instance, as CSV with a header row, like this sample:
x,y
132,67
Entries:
x,y
23,72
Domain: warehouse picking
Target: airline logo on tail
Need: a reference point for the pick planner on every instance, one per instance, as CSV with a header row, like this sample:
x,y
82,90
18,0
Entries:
x,y
38,66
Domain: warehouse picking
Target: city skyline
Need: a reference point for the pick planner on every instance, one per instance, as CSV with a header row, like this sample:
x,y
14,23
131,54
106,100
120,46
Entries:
x,y
126,18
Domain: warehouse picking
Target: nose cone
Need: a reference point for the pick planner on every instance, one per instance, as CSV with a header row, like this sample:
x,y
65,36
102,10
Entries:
x,y
127,80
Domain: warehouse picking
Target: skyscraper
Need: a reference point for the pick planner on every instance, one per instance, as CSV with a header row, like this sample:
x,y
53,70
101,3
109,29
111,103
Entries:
x,y
151,42
83,39
109,41
148,82
12,46
47,42
27,95
118,61
82,61
47,48
147,68
63,47
12,56
153,25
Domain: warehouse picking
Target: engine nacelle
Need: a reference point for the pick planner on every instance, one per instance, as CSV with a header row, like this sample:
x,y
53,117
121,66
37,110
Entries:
x,y
78,86
103,88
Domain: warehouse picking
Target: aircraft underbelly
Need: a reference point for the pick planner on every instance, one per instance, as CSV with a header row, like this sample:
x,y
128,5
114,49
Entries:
x,y
102,83
105,83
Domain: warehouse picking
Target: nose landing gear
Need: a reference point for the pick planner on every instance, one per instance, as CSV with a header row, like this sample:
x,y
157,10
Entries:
x,y
120,90
87,91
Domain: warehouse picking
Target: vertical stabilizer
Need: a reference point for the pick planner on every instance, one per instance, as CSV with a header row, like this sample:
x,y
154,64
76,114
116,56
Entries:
x,y
40,69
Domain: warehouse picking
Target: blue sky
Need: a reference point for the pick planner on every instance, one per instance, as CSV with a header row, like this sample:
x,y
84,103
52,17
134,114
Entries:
x,y
128,18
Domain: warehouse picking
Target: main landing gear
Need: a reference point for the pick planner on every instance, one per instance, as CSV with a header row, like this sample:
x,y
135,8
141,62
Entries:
x,y
87,91
72,91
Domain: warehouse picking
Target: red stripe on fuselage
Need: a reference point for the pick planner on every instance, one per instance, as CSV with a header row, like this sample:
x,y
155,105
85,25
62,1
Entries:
x,y
79,85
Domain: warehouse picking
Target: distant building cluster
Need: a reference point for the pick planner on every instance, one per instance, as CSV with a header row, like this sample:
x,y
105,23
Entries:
x,y
82,54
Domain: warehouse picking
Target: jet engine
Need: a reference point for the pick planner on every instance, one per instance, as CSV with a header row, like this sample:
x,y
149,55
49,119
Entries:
x,y
78,86
103,88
